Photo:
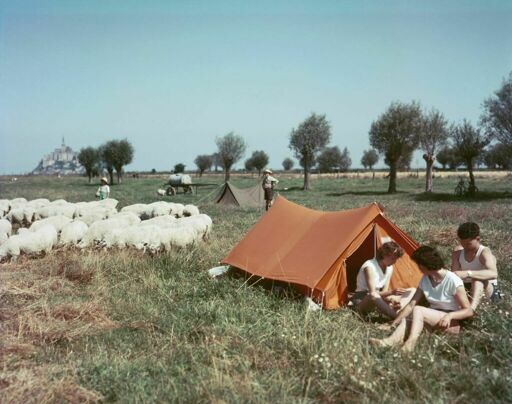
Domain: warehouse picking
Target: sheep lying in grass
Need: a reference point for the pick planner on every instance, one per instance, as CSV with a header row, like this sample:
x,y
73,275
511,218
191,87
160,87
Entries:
x,y
5,230
161,192
29,242
57,222
72,233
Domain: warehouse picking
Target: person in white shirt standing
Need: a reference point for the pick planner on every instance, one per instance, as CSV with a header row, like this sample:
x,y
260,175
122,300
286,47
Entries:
x,y
103,191
445,293
268,187
475,265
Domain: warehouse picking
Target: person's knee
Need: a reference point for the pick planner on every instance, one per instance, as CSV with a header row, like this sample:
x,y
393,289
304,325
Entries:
x,y
374,296
418,311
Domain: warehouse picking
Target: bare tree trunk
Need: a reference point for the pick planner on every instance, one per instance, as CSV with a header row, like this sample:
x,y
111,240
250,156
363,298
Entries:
x,y
227,175
429,159
119,176
306,179
392,177
111,175
471,176
89,174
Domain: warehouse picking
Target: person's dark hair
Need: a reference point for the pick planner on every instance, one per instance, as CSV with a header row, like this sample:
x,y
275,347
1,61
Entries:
x,y
468,230
389,248
429,257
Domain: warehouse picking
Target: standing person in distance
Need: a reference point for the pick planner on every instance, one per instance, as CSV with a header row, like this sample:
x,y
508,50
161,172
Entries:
x,y
103,191
268,187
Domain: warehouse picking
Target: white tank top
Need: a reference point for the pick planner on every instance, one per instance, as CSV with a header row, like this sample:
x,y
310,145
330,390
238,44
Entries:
x,y
475,264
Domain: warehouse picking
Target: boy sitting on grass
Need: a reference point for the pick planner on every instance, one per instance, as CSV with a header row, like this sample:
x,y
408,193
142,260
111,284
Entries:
x,y
475,265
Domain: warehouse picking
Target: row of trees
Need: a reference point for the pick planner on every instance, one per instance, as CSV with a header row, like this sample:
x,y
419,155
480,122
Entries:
x,y
402,129
110,156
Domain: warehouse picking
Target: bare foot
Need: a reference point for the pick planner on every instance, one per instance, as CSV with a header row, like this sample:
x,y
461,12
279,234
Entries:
x,y
407,348
379,342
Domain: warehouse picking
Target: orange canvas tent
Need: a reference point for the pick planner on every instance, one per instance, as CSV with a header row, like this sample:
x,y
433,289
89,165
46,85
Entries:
x,y
321,252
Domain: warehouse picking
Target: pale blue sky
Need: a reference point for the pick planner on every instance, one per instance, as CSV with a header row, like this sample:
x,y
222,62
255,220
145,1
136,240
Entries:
x,y
172,75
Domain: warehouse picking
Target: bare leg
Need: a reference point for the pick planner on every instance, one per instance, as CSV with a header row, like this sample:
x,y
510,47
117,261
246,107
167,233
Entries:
x,y
394,339
376,301
421,316
477,291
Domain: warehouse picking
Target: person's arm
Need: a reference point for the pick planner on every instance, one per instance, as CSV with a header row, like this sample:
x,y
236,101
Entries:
x,y
369,277
409,308
466,311
490,271
455,260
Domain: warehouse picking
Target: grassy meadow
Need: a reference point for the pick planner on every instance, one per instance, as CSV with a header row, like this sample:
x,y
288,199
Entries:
x,y
121,326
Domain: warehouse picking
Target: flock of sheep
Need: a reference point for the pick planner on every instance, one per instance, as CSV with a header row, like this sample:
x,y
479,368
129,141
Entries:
x,y
42,225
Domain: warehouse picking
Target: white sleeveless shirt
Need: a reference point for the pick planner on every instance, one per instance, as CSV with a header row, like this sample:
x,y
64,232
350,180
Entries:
x,y
475,264
380,277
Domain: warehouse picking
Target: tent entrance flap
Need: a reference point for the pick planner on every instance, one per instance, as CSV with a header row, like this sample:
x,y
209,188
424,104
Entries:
x,y
363,253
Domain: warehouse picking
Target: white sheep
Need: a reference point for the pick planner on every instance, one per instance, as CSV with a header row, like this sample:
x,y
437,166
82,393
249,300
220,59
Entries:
x,y
190,210
161,192
5,205
29,242
59,202
67,209
5,230
160,221
73,232
21,215
176,209
140,209
58,223
159,208
94,214
98,230
38,203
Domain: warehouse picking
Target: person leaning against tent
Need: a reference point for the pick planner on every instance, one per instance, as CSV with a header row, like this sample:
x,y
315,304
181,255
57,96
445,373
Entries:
x,y
445,294
268,187
373,279
103,191
475,265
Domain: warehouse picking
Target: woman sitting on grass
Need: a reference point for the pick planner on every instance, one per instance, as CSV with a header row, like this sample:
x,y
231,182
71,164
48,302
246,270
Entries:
x,y
446,295
372,291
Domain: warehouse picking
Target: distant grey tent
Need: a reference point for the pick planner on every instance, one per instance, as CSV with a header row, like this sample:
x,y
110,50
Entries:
x,y
231,195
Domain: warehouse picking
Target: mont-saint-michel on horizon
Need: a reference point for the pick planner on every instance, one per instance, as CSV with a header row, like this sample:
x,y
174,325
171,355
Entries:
x,y
63,160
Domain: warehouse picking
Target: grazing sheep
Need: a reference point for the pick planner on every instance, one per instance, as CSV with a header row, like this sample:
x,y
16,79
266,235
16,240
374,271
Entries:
x,y
59,202
95,214
140,209
38,203
16,201
58,223
98,230
29,242
159,208
5,230
161,192
21,216
5,205
190,210
176,209
67,209
160,221
73,232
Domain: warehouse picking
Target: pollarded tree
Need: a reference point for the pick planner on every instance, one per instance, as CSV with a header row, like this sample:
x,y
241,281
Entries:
x,y
259,160
369,159
395,134
216,161
468,144
249,164
345,161
433,135
89,158
231,149
179,168
499,155
329,159
203,162
497,116
307,140
288,164
116,154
